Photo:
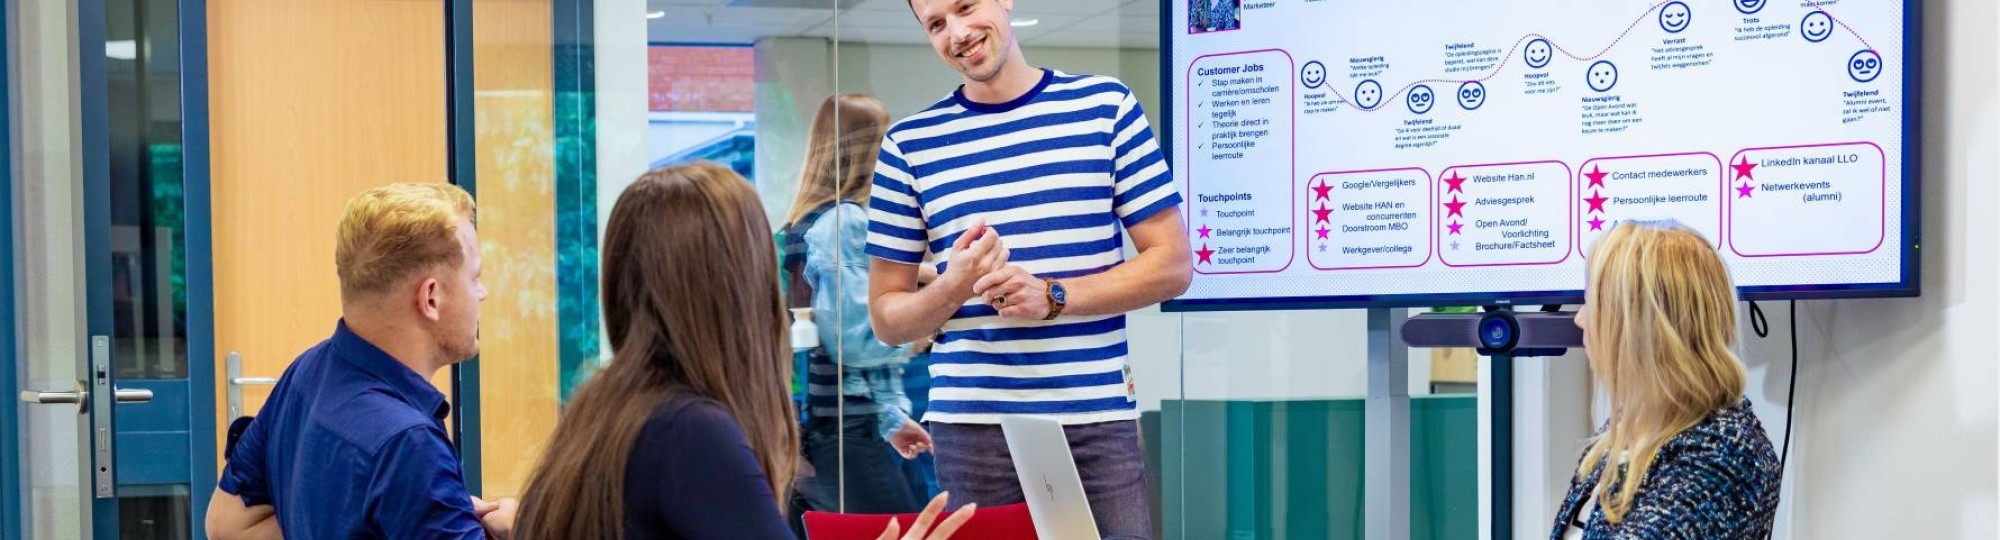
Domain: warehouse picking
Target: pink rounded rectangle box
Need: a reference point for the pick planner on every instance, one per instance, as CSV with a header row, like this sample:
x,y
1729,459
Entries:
x,y
1430,249
1568,219
1187,185
1882,218
1582,181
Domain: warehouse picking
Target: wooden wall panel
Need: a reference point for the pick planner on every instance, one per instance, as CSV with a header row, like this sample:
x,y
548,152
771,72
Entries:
x,y
312,101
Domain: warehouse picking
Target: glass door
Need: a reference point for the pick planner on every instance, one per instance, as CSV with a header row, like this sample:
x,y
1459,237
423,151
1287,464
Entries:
x,y
52,483
93,321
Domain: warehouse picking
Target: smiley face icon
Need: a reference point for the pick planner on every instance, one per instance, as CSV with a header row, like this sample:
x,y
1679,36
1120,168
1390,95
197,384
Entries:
x,y
1539,53
1422,99
1865,66
1313,75
1602,76
1471,95
1368,94
1676,17
1749,6
1816,27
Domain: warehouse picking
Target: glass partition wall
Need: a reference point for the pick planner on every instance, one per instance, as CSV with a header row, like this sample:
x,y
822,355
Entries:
x,y
1248,425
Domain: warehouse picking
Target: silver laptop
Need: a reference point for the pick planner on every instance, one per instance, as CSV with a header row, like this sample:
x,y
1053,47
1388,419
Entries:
x,y
1049,479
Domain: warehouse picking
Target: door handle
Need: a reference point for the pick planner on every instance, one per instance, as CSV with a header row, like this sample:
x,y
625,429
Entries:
x,y
77,397
234,380
80,397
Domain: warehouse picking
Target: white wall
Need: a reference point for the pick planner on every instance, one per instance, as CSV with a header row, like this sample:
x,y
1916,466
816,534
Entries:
x,y
623,94
1896,398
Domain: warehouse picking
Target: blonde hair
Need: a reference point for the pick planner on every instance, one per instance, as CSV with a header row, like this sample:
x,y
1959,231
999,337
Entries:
x,y
1662,321
390,232
840,158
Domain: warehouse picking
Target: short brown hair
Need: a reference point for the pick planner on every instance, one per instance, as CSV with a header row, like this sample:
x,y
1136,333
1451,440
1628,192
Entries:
x,y
390,232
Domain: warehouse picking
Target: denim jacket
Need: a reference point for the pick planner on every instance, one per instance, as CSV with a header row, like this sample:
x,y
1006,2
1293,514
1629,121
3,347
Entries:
x,y
836,267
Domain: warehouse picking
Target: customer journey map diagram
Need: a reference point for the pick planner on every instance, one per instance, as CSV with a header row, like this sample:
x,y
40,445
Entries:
x,y
1334,148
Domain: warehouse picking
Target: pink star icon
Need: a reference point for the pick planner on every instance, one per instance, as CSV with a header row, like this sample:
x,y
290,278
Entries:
x,y
1596,223
1596,201
1743,191
1322,191
1205,253
1743,166
1455,227
1454,184
1455,207
1323,231
1320,215
1203,230
1596,175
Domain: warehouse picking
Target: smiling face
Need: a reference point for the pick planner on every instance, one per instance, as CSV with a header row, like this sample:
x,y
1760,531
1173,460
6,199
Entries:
x,y
1539,52
1816,27
1749,6
1864,66
1675,17
1313,74
1421,99
972,36
1471,95
1368,94
1602,76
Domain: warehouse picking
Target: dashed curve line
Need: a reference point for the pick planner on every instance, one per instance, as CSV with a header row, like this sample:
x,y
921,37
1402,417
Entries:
x,y
1509,58
1843,24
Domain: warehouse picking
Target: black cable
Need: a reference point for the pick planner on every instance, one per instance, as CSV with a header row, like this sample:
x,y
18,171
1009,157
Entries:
x,y
1762,328
1757,323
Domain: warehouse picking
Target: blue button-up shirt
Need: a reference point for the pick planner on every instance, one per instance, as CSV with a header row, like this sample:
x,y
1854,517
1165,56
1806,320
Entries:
x,y
351,444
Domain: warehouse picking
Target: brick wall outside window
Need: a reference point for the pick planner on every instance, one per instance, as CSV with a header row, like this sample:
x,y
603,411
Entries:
x,y
702,79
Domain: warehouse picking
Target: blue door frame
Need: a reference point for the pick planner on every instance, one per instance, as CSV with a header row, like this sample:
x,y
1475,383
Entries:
x,y
462,165
10,380
171,440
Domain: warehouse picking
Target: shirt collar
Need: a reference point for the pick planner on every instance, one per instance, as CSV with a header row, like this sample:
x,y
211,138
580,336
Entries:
x,y
404,382
1016,103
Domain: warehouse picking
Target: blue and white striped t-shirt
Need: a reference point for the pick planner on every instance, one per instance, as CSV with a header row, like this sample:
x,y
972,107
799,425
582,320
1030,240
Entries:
x,y
1055,172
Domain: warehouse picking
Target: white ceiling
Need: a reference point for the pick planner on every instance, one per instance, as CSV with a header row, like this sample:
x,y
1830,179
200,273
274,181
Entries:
x,y
1063,23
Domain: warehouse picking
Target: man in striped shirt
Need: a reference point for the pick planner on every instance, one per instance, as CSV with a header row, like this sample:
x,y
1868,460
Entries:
x,y
1021,181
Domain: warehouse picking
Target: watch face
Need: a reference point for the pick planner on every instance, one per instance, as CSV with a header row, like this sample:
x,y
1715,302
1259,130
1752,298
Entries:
x,y
1057,293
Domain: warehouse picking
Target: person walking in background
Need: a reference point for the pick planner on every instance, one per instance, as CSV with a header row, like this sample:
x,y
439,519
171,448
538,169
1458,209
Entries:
x,y
858,429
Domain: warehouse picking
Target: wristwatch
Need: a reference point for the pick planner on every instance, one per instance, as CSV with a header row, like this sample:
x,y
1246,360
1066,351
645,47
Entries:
x,y
1058,298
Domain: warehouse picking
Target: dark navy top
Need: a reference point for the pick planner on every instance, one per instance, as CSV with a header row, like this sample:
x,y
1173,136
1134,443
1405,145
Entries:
x,y
691,475
1716,481
351,444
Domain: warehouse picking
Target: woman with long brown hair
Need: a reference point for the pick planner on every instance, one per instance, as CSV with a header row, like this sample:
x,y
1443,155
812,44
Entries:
x,y
688,432
1682,455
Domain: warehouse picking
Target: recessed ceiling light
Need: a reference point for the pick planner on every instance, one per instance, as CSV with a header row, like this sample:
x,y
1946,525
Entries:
x,y
1027,22
656,14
